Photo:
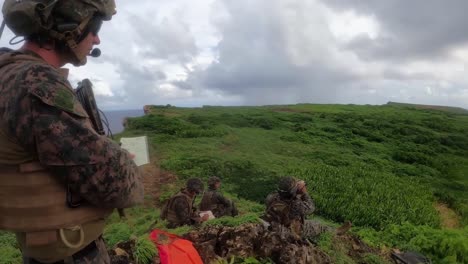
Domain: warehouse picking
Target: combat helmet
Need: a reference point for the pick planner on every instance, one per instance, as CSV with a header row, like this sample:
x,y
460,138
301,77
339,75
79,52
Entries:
x,y
287,187
66,22
213,180
195,185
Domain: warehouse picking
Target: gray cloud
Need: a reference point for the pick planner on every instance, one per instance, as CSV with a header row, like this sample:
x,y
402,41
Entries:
x,y
395,74
139,83
418,29
170,39
278,52
255,59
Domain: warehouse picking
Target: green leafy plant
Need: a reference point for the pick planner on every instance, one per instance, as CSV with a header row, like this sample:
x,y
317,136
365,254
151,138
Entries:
x,y
117,232
145,250
381,167
10,255
233,221
441,245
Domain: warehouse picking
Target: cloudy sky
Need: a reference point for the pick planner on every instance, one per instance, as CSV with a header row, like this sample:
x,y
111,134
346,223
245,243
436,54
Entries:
x,y
257,52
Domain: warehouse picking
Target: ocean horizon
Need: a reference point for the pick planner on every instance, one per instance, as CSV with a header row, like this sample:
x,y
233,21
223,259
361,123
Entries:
x,y
116,117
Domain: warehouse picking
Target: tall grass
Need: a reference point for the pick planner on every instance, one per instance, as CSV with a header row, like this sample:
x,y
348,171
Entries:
x,y
441,245
368,198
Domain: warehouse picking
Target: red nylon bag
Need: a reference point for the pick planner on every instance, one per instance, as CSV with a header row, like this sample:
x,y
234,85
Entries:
x,y
174,249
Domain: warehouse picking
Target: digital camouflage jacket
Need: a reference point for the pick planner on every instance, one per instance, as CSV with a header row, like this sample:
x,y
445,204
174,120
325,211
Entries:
x,y
181,211
285,211
215,202
40,112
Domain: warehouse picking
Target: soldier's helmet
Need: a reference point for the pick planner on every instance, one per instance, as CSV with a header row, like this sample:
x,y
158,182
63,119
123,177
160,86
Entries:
x,y
287,187
213,180
195,185
65,21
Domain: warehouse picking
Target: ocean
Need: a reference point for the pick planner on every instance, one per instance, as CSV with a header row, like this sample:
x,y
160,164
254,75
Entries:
x,y
115,118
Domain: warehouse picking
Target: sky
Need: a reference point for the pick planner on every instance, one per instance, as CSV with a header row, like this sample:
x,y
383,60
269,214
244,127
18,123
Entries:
x,y
262,52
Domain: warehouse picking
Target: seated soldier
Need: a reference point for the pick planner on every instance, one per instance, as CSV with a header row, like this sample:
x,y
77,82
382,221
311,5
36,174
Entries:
x,y
215,202
290,205
180,209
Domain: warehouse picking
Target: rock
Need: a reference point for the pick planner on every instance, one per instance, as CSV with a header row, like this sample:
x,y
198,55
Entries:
x,y
254,240
147,109
121,252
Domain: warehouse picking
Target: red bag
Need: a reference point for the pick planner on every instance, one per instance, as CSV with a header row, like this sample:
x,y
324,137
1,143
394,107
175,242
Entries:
x,y
174,249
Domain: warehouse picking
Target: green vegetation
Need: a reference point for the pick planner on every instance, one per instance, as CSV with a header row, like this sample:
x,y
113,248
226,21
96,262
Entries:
x,y
381,167
445,246
377,166
9,253
145,251
367,197
233,221
249,260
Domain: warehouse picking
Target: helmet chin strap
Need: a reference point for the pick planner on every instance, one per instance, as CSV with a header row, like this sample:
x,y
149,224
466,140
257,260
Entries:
x,y
69,37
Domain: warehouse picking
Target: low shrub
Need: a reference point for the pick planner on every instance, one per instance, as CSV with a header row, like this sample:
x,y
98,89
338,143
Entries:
x,y
441,245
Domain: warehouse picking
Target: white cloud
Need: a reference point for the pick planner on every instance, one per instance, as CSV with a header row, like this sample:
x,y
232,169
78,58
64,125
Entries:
x,y
223,52
347,25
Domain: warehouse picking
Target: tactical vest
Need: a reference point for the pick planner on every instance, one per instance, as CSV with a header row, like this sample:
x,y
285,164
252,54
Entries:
x,y
33,205
171,213
278,211
31,200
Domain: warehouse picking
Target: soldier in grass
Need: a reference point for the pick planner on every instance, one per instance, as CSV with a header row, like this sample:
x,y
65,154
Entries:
x,y
214,201
60,179
291,204
180,210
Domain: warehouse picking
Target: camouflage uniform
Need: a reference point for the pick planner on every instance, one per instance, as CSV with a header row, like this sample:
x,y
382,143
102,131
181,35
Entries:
x,y
215,202
292,213
41,113
181,210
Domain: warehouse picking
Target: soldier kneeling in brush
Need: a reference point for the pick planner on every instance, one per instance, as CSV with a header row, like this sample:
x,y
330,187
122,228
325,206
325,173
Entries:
x,y
215,202
290,205
180,210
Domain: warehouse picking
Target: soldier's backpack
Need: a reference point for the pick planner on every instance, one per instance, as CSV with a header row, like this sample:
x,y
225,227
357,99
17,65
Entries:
x,y
174,249
167,204
278,211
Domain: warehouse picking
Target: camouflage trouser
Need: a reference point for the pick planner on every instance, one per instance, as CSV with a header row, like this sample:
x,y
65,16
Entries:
x,y
94,253
312,229
230,210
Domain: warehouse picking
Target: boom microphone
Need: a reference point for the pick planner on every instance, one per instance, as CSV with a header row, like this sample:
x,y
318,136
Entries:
x,y
95,53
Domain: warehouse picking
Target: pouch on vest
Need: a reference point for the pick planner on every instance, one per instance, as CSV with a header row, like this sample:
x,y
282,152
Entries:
x,y
280,212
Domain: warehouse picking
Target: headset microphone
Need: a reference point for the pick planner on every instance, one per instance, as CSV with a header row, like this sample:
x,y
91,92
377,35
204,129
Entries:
x,y
95,53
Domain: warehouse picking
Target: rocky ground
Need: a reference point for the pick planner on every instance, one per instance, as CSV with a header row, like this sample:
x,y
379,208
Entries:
x,y
277,243
254,240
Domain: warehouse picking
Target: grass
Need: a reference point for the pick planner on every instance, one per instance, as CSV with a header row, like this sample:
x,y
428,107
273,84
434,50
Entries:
x,y
381,167
441,245
145,250
9,253
377,166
